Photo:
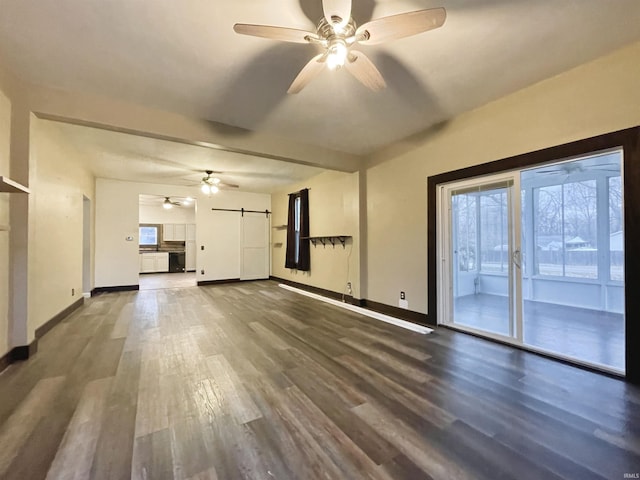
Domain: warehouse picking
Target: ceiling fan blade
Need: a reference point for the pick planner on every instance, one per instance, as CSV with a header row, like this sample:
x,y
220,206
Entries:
x,y
228,185
283,34
308,72
359,65
399,26
337,8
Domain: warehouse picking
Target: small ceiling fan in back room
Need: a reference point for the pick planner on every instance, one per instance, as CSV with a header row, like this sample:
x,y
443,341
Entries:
x,y
210,184
337,33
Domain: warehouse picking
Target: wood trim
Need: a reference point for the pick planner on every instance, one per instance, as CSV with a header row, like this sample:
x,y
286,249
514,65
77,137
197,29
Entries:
x,y
204,283
320,291
5,360
56,319
408,315
121,288
629,140
402,313
23,352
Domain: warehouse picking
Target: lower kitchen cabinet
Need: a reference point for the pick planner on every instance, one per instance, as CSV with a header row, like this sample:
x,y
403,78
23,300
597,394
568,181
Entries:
x,y
154,262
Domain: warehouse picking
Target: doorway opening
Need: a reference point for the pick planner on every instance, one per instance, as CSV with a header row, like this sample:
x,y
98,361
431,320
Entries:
x,y
167,242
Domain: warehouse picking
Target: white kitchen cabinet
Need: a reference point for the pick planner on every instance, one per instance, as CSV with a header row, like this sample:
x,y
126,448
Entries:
x,y
168,232
174,232
179,232
190,255
153,262
191,232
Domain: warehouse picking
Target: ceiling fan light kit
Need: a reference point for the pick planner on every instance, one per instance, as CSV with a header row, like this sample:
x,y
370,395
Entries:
x,y
167,204
337,33
211,184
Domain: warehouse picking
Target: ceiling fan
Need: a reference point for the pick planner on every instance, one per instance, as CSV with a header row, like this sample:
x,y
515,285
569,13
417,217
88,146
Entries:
x,y
168,203
337,33
570,168
210,184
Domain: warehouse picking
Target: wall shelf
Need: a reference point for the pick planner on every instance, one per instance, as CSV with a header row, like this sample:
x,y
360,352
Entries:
x,y
332,239
9,186
279,227
4,228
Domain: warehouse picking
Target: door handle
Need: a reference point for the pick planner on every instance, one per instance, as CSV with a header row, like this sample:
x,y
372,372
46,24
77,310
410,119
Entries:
x,y
516,258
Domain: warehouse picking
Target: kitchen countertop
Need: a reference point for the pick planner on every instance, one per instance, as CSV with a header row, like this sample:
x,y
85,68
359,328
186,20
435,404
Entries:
x,y
161,251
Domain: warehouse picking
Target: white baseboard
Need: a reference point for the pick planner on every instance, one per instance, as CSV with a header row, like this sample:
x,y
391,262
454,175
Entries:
x,y
363,311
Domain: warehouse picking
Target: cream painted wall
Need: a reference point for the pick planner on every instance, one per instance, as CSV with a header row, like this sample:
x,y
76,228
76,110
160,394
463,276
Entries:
x,y
595,98
219,232
117,217
158,214
58,183
5,134
333,210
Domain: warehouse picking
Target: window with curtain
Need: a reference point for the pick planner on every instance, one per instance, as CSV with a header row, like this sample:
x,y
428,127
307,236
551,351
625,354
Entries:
x,y
298,249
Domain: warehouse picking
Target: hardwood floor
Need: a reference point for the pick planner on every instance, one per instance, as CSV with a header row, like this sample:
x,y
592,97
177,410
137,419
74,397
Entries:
x,y
154,281
253,381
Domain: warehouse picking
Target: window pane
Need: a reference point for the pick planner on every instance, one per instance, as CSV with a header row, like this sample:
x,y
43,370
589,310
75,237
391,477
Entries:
x,y
148,235
297,228
580,229
547,227
465,220
494,238
616,237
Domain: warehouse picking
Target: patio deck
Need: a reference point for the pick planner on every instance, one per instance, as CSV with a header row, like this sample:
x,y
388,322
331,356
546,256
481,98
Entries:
x,y
587,335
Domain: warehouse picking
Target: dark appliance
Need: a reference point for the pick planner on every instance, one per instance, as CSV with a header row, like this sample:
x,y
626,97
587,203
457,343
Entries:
x,y
176,262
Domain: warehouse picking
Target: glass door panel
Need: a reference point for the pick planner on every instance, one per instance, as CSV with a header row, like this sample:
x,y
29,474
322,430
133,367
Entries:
x,y
481,252
574,305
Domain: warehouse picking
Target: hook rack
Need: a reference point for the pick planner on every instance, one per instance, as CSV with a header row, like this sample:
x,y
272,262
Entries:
x,y
332,239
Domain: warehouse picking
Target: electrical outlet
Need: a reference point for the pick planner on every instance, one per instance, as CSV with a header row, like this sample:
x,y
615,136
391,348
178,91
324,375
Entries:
x,y
402,296
202,272
201,247
349,288
73,292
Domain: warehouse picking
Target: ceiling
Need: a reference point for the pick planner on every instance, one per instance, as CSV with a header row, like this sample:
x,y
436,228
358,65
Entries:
x,y
185,58
122,156
185,203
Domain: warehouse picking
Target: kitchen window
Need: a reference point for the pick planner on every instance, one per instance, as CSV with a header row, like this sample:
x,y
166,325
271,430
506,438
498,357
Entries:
x,y
148,236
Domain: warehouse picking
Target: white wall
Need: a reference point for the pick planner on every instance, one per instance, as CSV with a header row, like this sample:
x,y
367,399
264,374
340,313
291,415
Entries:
x,y
595,98
5,132
117,217
333,210
59,182
158,214
219,233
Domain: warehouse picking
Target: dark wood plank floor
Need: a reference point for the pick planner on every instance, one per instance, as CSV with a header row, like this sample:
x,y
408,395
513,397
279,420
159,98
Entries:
x,y
589,335
253,381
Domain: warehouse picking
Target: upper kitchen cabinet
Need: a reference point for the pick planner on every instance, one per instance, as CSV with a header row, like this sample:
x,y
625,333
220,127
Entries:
x,y
191,232
174,232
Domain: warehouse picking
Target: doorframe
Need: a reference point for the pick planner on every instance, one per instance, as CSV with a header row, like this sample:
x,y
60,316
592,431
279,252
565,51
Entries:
x,y
446,276
629,141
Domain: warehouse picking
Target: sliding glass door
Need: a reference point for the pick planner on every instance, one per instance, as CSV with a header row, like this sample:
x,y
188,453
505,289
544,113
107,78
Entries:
x,y
535,258
483,256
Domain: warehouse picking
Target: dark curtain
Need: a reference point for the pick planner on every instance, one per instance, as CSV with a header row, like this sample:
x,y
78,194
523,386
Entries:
x,y
290,259
304,260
